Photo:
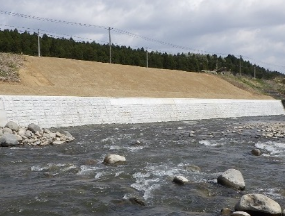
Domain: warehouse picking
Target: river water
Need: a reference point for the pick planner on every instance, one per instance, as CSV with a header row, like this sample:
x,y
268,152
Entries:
x,y
71,180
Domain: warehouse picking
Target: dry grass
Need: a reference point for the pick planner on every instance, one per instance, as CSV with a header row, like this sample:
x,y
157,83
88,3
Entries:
x,y
54,76
9,67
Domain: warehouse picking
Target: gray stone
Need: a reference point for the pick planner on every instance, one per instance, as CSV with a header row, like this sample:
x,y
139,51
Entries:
x,y
232,178
34,128
22,132
258,204
46,142
7,131
45,130
68,136
8,140
19,138
12,125
29,134
113,159
58,134
47,135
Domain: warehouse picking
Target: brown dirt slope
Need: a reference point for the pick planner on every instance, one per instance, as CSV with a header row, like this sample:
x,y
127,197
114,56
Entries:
x,y
55,76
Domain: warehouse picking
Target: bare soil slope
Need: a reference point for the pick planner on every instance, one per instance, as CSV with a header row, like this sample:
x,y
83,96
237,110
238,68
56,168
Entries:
x,y
55,76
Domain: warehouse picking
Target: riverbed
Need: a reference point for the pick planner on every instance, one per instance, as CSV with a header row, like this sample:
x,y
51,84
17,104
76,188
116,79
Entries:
x,y
71,179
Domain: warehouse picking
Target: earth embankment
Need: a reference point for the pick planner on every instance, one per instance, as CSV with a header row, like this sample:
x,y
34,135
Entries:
x,y
59,77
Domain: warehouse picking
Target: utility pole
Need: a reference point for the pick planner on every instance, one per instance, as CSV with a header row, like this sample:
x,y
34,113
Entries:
x,y
39,44
110,44
240,65
146,59
254,72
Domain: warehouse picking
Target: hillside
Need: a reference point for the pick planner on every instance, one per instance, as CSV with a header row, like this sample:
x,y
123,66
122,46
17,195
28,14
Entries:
x,y
58,76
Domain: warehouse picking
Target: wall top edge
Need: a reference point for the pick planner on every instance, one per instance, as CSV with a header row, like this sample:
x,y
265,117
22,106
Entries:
x,y
132,98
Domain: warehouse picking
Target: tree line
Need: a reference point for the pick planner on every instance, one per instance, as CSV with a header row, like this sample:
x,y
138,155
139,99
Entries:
x,y
27,43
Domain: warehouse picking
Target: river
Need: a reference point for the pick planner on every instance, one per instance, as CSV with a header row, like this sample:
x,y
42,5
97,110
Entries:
x,y
71,180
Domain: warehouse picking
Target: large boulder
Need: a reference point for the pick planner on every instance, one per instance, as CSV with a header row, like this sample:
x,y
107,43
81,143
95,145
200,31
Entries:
x,y
258,204
12,125
8,140
113,159
232,178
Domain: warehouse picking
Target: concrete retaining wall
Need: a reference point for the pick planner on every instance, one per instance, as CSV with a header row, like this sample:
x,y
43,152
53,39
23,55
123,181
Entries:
x,y
51,111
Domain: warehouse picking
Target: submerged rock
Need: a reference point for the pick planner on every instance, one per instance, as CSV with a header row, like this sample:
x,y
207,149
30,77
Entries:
x,y
256,152
258,204
192,168
232,178
180,180
137,201
113,159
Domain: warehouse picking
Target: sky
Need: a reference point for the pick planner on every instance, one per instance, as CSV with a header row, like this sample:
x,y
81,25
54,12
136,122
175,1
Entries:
x,y
253,29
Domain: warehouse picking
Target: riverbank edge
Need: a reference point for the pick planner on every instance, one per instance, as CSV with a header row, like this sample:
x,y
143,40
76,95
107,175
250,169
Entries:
x,y
64,111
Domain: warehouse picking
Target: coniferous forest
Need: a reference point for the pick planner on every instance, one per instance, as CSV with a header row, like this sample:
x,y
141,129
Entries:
x,y
26,43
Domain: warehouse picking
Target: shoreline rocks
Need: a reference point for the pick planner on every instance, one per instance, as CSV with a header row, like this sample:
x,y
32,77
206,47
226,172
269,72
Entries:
x,y
13,135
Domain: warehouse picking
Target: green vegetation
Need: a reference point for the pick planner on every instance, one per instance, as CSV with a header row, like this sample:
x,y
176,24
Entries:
x,y
273,87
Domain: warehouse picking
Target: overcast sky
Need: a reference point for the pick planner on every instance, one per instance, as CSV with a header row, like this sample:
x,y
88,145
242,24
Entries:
x,y
254,29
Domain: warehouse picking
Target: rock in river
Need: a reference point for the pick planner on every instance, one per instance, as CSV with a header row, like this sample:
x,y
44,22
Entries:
x,y
232,178
114,158
258,204
256,152
180,180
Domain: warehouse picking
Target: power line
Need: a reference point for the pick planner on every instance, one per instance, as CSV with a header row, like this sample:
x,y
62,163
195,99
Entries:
x,y
121,32
98,26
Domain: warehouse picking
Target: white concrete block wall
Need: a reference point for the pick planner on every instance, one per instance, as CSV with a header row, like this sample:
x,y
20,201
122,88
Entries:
x,y
52,111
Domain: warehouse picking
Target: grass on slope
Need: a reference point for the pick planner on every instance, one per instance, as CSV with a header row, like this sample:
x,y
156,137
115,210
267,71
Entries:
x,y
9,67
274,87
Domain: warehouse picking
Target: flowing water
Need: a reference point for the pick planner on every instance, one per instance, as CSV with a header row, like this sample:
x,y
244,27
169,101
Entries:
x,y
71,180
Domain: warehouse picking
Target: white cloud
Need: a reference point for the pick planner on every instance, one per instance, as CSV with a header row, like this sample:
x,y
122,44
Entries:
x,y
253,28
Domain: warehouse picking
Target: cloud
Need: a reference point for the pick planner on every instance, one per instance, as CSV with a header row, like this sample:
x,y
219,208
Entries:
x,y
253,28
